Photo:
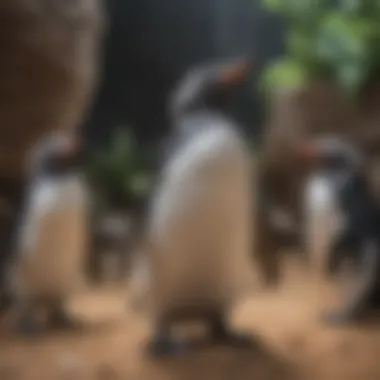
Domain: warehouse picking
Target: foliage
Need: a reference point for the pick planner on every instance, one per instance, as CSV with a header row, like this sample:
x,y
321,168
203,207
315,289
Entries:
x,y
119,174
339,40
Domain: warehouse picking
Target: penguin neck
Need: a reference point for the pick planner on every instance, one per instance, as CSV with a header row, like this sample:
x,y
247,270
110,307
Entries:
x,y
43,178
191,121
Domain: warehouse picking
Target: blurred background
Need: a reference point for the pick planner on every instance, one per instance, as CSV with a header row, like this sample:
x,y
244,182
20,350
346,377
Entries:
x,y
105,69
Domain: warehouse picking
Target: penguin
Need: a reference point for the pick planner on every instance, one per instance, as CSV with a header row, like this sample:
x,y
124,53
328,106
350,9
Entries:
x,y
358,236
199,221
52,237
322,216
112,238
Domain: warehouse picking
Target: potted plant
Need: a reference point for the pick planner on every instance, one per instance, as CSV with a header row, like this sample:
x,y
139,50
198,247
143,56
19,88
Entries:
x,y
120,183
335,41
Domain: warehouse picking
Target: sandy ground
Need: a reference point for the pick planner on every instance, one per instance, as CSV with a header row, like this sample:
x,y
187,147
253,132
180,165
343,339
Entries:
x,y
292,344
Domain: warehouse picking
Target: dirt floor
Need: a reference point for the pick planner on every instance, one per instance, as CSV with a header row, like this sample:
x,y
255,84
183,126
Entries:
x,y
292,344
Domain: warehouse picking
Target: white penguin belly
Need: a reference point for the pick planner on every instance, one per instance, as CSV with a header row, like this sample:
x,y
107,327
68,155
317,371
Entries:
x,y
192,262
53,242
323,218
197,221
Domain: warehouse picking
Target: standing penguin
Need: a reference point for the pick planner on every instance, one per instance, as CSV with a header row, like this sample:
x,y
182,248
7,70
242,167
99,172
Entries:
x,y
322,214
52,238
199,227
357,238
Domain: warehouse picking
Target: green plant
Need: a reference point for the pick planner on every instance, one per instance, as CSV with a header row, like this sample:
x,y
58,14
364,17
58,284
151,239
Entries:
x,y
119,174
339,40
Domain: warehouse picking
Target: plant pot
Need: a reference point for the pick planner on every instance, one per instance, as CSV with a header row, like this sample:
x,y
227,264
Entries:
x,y
48,71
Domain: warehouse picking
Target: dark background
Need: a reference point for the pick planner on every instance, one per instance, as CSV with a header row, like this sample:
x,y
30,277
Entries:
x,y
151,43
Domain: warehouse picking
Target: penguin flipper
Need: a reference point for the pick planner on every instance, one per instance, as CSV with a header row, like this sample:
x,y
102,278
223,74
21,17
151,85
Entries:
x,y
341,248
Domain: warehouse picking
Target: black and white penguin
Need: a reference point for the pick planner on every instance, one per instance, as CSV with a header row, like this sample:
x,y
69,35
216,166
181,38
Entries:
x,y
199,227
357,235
322,213
52,239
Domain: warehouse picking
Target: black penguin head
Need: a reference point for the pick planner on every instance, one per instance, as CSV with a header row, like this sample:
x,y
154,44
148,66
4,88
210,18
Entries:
x,y
338,162
57,155
332,154
208,87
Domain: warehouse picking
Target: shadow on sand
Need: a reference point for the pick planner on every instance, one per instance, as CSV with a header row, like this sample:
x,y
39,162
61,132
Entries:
x,y
225,363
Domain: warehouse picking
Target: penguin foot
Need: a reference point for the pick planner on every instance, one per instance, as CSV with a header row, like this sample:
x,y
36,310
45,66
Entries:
x,y
59,319
167,347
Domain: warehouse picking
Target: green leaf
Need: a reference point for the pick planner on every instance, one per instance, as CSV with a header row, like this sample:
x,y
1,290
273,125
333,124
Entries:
x,y
274,5
117,172
123,147
139,185
366,8
285,73
351,76
350,6
296,8
300,45
343,38
299,11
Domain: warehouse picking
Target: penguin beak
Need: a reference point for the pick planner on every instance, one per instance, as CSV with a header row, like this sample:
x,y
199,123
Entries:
x,y
234,73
